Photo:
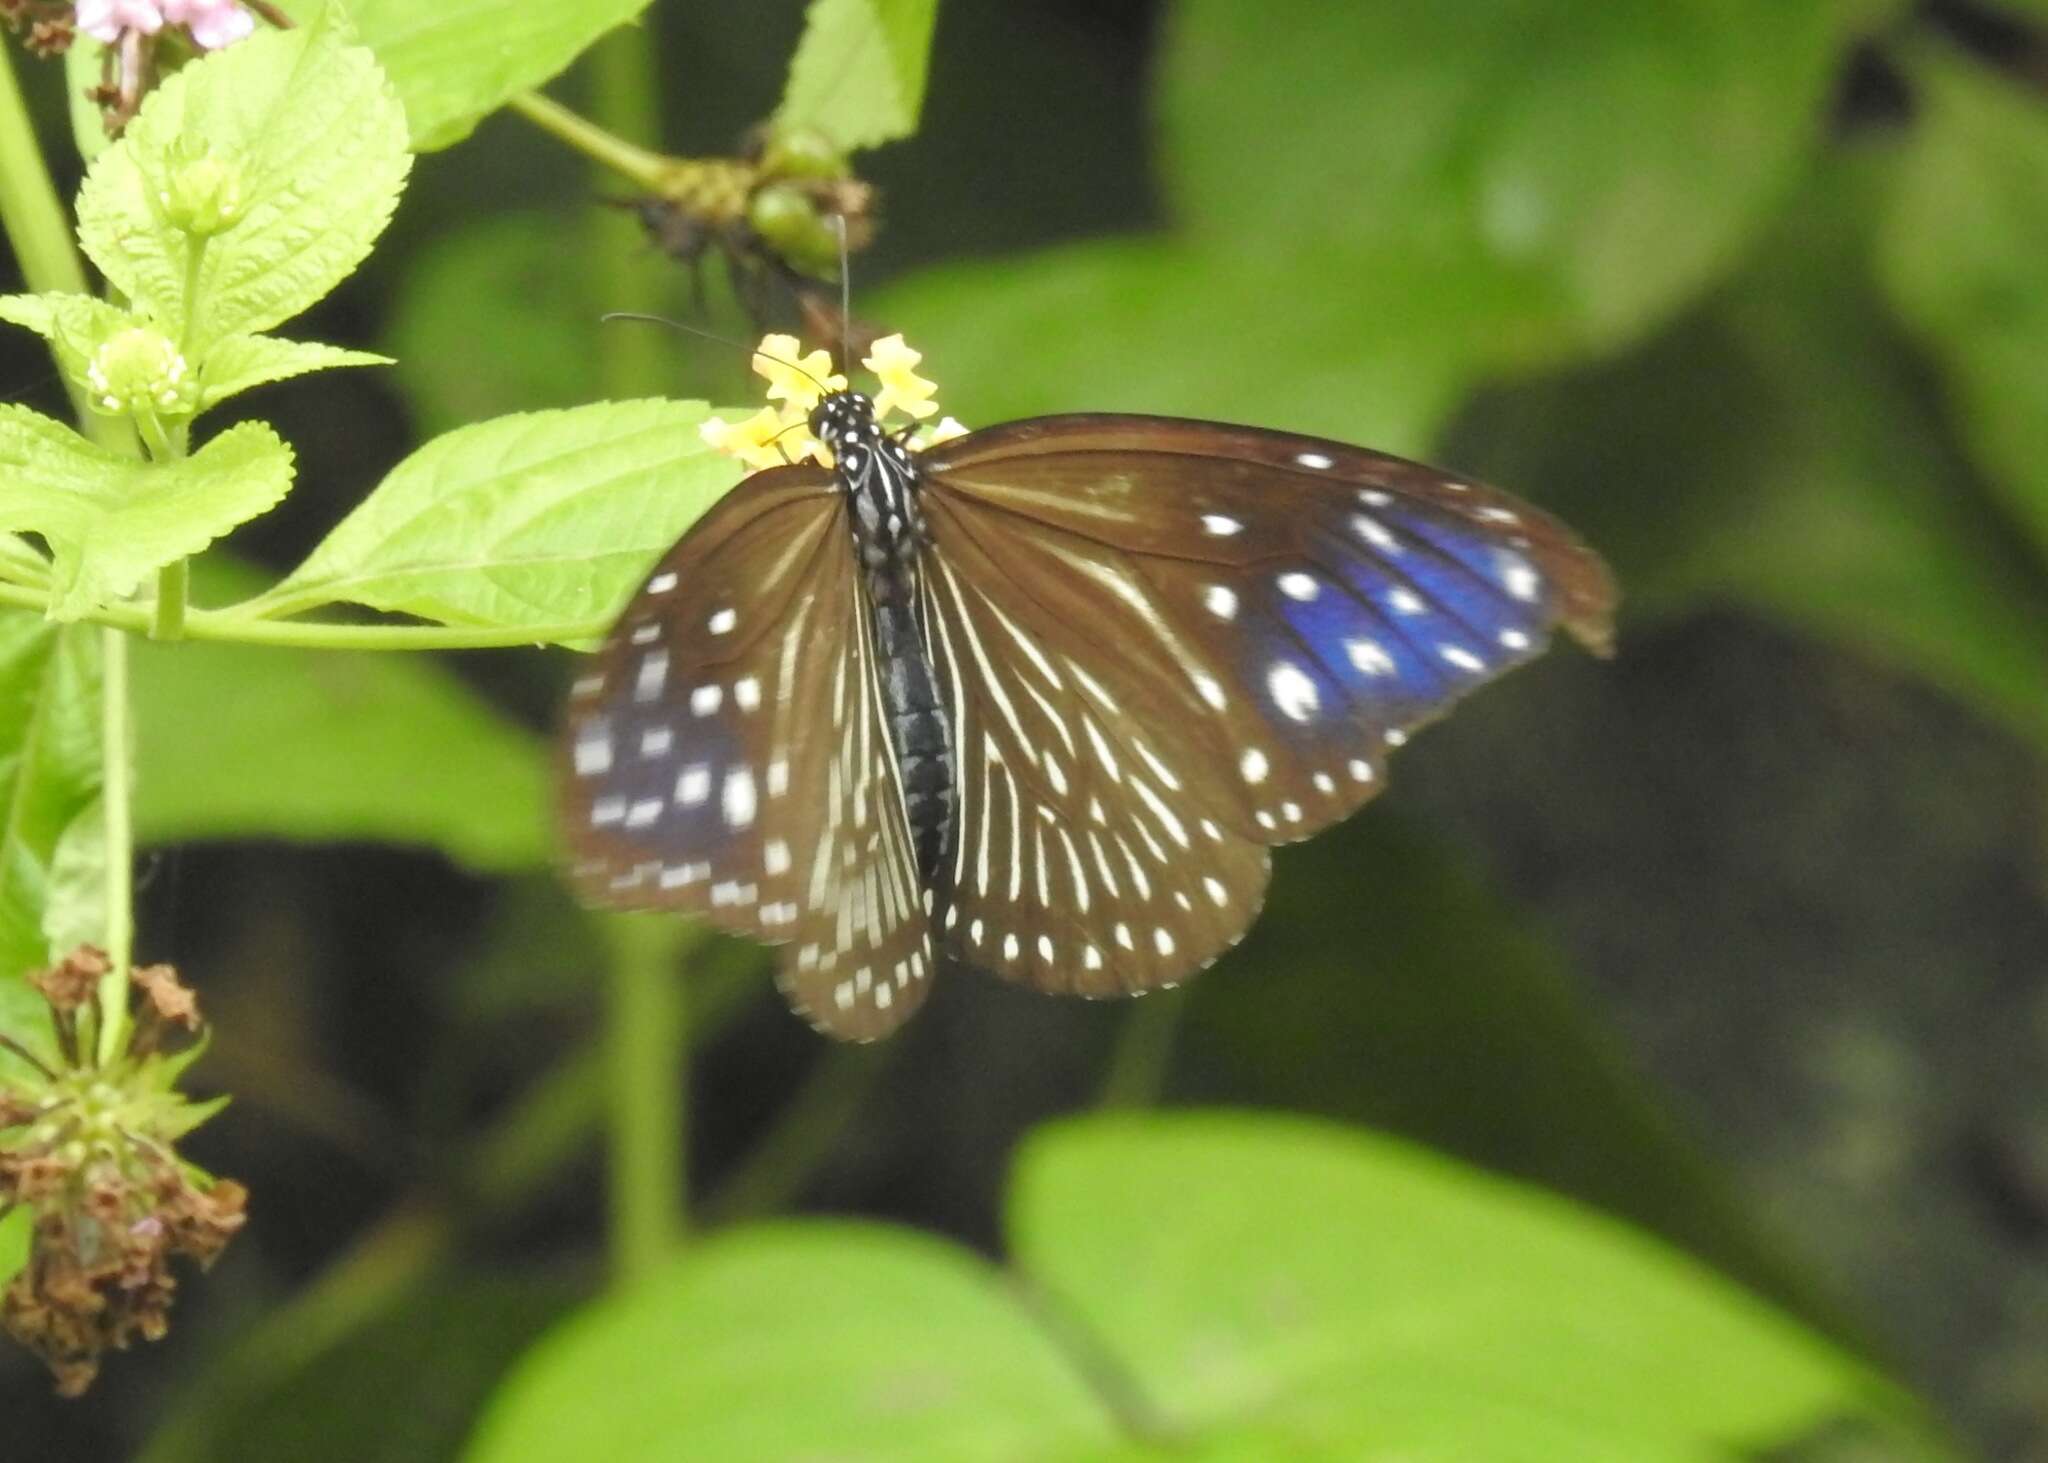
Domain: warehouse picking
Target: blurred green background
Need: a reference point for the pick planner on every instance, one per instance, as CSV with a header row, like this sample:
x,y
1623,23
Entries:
x,y
1740,938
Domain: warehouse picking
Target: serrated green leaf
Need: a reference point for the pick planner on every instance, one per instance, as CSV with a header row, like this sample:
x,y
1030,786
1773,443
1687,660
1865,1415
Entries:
x,y
242,361
112,520
1963,257
542,519
1316,1291
457,61
74,325
1597,164
900,1345
858,75
319,144
50,777
247,742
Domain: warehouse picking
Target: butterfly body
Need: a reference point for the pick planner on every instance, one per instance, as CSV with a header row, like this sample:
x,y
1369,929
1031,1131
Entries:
x,y
1037,700
879,477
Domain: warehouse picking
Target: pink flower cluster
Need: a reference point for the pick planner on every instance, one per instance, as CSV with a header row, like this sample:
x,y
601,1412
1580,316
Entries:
x,y
213,23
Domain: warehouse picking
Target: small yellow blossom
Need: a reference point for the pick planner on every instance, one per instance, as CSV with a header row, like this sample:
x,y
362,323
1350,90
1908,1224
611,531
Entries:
x,y
754,441
798,380
902,390
781,433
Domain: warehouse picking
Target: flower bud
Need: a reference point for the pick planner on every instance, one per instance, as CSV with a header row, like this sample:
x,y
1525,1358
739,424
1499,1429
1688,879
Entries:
x,y
790,224
138,370
802,152
203,193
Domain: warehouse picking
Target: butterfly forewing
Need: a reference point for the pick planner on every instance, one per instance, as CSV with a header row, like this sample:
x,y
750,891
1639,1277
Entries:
x,y
1222,631
725,756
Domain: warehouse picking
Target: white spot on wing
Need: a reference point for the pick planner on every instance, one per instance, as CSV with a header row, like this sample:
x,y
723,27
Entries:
x,y
1297,585
737,802
1220,602
694,785
706,699
1315,459
1253,765
1221,525
661,583
721,621
1293,692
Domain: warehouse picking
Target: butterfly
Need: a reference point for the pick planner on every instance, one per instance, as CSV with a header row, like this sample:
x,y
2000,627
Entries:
x,y
1036,700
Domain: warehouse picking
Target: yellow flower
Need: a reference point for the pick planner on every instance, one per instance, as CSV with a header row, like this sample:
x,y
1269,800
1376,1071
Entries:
x,y
781,433
757,441
902,389
798,380
946,429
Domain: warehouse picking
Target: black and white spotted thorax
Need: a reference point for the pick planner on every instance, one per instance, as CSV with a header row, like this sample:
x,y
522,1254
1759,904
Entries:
x,y
879,475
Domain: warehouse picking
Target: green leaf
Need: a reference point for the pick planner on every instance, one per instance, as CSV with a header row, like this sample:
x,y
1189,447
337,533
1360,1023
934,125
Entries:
x,y
74,325
50,776
480,326
239,741
457,61
1838,502
1964,258
859,72
20,562
1321,1292
242,361
310,128
541,519
16,1230
821,1340
1439,1012
111,520
1381,360
1598,164
75,900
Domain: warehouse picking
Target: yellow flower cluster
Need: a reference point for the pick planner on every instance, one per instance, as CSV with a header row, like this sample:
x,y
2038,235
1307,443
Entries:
x,y
781,432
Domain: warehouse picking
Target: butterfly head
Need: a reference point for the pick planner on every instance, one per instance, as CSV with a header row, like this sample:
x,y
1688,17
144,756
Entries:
x,y
844,418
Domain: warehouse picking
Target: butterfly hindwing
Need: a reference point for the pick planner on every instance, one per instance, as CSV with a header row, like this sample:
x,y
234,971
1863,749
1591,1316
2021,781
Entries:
x,y
725,757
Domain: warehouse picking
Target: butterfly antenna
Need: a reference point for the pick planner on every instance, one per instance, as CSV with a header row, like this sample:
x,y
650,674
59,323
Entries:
x,y
845,297
713,337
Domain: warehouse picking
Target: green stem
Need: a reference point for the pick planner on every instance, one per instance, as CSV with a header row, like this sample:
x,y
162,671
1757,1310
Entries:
x,y
120,839
647,171
647,1056
776,1167
173,584
1137,1068
625,275
232,625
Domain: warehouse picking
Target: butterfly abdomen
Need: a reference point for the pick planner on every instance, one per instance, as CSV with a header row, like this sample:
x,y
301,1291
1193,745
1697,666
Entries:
x,y
919,733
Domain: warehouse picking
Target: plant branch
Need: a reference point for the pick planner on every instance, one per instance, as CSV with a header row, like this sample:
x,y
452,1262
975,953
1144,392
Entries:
x,y
38,228
647,1021
645,170
120,844
234,626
